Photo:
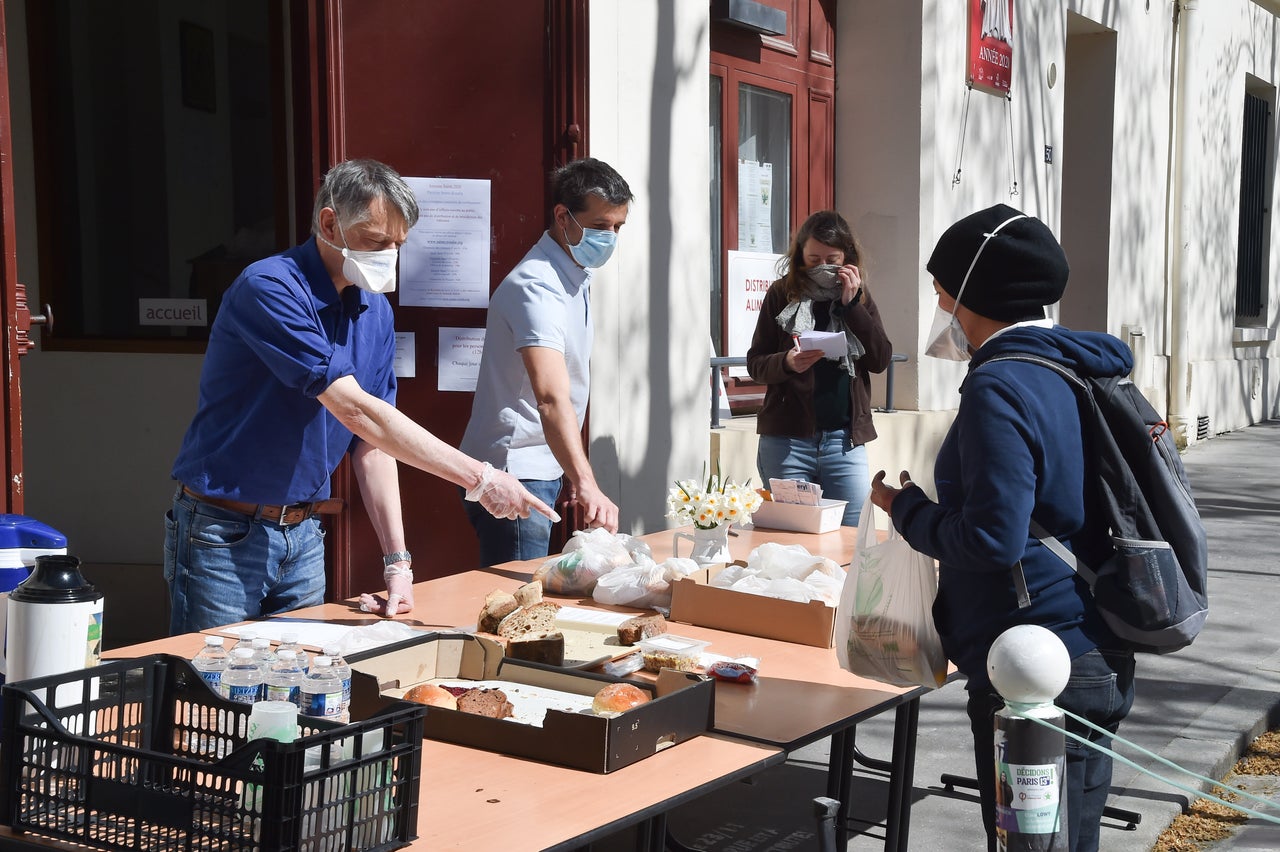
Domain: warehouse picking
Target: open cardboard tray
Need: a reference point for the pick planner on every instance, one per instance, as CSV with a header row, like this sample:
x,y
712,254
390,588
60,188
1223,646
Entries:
x,y
683,706
693,601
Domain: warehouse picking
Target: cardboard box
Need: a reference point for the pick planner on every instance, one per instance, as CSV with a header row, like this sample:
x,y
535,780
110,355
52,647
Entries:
x,y
683,706
793,517
694,601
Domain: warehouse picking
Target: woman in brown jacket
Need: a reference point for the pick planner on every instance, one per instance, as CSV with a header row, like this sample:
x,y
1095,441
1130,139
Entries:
x,y
816,417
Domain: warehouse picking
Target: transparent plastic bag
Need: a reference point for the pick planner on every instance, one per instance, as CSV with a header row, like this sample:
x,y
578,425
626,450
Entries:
x,y
587,556
884,624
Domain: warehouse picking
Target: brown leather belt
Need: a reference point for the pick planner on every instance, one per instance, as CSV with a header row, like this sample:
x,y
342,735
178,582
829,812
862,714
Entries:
x,y
285,516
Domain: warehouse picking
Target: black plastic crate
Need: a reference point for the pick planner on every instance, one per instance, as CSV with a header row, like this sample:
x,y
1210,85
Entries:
x,y
142,754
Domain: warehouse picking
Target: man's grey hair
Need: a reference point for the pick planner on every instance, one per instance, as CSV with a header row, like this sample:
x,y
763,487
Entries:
x,y
350,187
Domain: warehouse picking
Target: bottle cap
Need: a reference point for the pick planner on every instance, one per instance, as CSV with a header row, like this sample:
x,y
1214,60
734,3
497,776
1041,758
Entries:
x,y
213,640
244,653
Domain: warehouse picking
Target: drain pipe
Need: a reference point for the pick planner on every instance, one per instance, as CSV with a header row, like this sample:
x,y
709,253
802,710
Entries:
x,y
1180,227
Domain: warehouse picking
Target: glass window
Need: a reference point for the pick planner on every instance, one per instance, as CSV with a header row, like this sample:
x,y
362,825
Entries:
x,y
764,180
156,162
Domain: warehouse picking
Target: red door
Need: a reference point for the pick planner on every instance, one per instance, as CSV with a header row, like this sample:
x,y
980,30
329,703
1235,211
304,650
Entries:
x,y
13,301
438,88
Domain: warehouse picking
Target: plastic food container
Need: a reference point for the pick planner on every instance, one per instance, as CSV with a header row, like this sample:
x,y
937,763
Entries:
x,y
667,651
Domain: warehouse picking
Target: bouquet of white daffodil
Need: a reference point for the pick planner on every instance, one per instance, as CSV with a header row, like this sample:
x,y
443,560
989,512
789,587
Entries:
x,y
708,504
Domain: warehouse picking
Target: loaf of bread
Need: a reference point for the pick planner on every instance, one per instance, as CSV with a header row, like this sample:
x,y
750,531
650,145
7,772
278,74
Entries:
x,y
483,701
528,594
497,606
617,698
429,693
537,618
547,648
641,627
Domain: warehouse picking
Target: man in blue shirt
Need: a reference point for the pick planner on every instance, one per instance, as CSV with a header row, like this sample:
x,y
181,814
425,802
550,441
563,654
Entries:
x,y
297,374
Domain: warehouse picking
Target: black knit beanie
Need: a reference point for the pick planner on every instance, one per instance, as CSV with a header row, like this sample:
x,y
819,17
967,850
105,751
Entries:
x,y
1022,268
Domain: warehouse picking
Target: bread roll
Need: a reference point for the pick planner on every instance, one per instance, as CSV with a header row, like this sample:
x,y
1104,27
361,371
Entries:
x,y
429,693
617,698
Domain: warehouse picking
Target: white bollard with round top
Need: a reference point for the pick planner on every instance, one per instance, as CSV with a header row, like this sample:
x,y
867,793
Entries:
x,y
1029,666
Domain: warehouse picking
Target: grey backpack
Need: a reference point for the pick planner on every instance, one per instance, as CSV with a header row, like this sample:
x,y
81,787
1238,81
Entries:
x,y
1153,590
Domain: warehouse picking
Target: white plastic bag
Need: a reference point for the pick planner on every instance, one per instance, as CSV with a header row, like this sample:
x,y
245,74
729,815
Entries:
x,y
647,585
884,624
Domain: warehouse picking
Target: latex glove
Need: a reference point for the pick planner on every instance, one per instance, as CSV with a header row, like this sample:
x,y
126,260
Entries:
x,y
399,580
502,496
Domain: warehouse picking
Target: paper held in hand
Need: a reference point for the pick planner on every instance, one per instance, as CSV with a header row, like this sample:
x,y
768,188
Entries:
x,y
829,343
795,491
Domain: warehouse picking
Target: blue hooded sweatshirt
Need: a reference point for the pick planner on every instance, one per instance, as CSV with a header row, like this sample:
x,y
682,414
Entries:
x,y
1014,451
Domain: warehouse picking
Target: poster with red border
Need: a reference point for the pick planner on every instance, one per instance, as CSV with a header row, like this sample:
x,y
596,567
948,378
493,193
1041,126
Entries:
x,y
990,52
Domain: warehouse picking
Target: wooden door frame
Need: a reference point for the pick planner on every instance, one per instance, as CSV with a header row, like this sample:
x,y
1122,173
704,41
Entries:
x,y
11,453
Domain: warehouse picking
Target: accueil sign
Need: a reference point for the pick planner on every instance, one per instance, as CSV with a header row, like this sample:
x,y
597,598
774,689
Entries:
x,y
990,52
172,312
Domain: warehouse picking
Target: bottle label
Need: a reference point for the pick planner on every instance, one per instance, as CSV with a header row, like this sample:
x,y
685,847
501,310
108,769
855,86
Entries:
x,y
243,693
212,677
322,704
282,693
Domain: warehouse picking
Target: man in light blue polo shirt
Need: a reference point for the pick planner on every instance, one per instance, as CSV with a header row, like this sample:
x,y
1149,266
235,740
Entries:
x,y
535,372
297,374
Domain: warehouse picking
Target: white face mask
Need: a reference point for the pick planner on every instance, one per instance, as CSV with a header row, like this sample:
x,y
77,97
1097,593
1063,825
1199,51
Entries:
x,y
371,271
947,339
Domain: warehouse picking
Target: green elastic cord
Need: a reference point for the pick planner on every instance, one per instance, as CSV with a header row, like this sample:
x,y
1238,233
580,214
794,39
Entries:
x,y
1021,710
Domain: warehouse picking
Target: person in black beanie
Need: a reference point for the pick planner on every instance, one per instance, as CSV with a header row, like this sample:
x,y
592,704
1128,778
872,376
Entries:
x,y
1016,451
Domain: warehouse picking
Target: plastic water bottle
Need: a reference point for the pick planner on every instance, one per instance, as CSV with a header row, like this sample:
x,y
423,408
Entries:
x,y
263,654
211,661
321,693
343,671
284,678
291,643
242,679
246,640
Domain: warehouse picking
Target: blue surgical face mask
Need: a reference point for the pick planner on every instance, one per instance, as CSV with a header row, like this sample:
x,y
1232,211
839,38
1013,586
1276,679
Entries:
x,y
594,249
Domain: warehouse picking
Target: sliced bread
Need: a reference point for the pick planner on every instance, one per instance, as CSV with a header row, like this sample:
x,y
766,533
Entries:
x,y
538,618
546,648
483,701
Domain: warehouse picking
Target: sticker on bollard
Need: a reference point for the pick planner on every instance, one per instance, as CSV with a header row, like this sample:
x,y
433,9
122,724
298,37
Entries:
x,y
1031,807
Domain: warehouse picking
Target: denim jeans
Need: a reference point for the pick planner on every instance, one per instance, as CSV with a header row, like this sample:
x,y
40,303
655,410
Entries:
x,y
827,458
503,540
1100,689
223,567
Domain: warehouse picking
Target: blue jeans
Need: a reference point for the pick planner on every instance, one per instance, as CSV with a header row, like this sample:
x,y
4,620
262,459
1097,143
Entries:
x,y
502,540
223,567
1100,689
827,458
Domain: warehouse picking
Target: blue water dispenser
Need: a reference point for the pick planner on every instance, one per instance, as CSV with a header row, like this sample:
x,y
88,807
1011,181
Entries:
x,y
22,539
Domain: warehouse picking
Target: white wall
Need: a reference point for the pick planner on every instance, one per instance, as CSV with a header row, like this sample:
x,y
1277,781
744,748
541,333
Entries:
x,y
649,92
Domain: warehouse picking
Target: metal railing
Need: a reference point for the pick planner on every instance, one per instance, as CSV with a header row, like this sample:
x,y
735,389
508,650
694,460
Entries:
x,y
740,361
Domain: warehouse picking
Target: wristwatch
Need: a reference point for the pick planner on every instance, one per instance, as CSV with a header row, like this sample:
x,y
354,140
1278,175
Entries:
x,y
399,556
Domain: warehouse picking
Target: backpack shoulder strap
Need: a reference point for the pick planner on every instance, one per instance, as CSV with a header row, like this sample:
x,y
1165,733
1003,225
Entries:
x,y
1059,549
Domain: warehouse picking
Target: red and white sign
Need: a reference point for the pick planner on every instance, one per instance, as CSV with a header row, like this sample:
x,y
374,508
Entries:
x,y
990,53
